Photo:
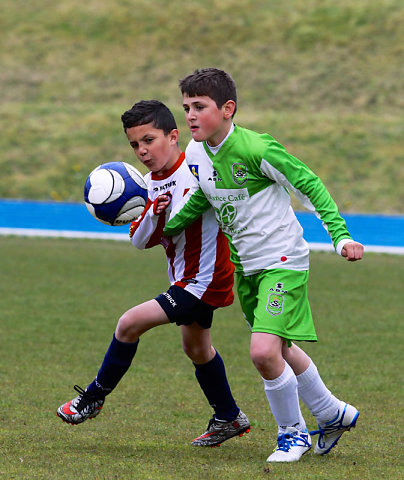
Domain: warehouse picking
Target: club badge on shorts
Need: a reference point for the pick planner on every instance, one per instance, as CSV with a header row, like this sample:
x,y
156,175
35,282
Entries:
x,y
276,299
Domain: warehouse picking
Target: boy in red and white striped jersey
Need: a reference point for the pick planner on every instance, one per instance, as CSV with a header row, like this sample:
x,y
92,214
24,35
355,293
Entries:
x,y
200,274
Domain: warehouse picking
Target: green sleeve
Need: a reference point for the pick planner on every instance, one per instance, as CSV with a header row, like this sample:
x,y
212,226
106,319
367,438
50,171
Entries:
x,y
192,209
309,189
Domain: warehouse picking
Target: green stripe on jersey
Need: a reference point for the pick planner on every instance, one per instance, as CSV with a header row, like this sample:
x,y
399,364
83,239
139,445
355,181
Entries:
x,y
245,171
234,256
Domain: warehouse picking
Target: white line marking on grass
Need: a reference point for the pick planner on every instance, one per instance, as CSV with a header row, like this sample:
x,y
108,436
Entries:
x,y
124,237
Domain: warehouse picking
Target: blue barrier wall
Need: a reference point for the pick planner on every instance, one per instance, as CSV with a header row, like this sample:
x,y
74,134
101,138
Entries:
x,y
21,217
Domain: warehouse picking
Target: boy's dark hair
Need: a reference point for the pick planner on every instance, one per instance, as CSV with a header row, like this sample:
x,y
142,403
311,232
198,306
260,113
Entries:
x,y
149,111
212,82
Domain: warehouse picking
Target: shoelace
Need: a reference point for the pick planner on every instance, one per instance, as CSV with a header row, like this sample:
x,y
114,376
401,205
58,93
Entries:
x,y
86,398
333,426
287,440
79,390
284,442
321,436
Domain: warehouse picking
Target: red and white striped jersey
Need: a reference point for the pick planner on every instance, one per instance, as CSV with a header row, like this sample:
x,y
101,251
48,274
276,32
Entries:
x,y
198,258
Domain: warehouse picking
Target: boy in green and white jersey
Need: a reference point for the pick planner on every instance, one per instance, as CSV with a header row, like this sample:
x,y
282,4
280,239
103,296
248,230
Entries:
x,y
247,177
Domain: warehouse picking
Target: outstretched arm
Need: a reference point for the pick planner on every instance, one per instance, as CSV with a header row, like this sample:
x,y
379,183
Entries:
x,y
293,174
187,212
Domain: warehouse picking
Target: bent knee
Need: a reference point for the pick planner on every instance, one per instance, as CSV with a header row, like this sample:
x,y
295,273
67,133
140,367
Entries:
x,y
265,359
128,328
198,353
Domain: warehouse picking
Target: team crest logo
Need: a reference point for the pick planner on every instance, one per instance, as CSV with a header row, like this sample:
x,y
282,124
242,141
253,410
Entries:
x,y
276,299
240,173
194,170
227,214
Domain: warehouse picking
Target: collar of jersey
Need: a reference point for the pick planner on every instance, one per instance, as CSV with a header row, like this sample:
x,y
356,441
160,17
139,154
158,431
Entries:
x,y
169,172
223,146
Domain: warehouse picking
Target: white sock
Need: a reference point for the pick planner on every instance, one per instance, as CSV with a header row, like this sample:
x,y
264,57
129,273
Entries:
x,y
316,396
284,401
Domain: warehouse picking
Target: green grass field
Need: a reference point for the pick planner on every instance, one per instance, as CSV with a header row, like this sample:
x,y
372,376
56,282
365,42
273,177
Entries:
x,y
325,79
59,302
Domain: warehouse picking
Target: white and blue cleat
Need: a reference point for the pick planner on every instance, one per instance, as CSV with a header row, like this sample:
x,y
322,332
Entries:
x,y
330,432
292,444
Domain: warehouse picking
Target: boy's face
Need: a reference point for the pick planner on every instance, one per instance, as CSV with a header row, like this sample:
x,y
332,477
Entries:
x,y
205,120
158,152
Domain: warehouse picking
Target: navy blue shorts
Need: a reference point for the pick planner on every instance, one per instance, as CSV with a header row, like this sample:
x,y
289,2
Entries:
x,y
183,308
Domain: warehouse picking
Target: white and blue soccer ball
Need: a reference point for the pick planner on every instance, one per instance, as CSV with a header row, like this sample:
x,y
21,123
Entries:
x,y
115,193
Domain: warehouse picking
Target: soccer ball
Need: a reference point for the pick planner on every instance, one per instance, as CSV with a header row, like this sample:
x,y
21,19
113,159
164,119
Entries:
x,y
115,193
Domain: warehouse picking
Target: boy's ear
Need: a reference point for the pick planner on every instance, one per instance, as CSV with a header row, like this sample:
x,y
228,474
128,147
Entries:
x,y
228,109
173,136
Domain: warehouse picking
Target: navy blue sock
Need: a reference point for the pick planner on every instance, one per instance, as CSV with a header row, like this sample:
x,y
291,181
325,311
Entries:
x,y
213,381
116,362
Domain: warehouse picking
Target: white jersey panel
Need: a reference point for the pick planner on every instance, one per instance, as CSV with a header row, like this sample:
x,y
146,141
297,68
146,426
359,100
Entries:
x,y
253,222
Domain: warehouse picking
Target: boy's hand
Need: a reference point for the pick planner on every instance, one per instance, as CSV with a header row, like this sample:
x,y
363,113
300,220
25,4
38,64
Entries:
x,y
161,203
352,251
